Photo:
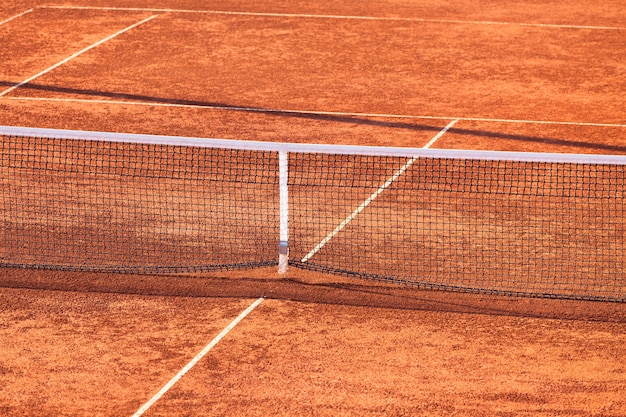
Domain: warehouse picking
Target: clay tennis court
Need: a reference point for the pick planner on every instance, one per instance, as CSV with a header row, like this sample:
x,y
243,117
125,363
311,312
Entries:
x,y
524,77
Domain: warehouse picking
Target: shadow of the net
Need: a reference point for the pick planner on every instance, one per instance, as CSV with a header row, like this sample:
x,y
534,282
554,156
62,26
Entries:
x,y
375,121
338,118
308,289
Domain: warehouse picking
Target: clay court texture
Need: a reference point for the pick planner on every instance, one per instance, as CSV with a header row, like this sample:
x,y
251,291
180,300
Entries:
x,y
526,76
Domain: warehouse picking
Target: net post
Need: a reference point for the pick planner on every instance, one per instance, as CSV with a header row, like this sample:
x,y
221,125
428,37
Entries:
x,y
283,246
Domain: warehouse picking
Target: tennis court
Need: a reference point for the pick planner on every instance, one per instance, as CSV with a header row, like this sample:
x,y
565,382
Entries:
x,y
196,340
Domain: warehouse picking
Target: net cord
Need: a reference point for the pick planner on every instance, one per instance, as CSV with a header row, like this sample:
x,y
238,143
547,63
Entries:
x,y
315,148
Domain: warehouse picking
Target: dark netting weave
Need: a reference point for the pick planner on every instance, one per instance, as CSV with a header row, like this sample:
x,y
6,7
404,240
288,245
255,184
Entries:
x,y
515,227
128,207
506,227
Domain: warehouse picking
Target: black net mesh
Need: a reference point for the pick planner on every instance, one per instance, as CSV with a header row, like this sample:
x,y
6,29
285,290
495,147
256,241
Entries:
x,y
525,228
126,207
506,227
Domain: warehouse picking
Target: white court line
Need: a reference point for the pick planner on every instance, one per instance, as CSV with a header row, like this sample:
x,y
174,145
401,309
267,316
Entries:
x,y
198,357
318,113
323,16
372,197
58,64
16,16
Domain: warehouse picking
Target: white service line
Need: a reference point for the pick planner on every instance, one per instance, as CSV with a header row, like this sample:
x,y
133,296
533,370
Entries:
x,y
314,112
16,16
374,195
58,64
342,17
195,360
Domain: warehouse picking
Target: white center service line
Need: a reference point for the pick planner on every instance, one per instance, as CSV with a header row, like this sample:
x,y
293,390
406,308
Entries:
x,y
195,360
376,193
69,58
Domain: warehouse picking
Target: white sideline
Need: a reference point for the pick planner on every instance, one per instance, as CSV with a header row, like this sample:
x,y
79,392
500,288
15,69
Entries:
x,y
15,17
58,64
325,16
195,360
374,195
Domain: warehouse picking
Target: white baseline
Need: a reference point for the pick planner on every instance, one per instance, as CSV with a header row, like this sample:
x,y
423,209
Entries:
x,y
325,16
320,113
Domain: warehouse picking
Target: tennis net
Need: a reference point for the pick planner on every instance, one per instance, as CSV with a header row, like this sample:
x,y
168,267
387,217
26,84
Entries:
x,y
526,224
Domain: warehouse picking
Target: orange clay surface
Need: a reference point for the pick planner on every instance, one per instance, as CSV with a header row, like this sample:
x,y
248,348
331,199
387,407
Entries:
x,y
97,344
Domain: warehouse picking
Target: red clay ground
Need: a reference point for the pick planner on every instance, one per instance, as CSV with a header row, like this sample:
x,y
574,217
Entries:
x,y
98,344
264,64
